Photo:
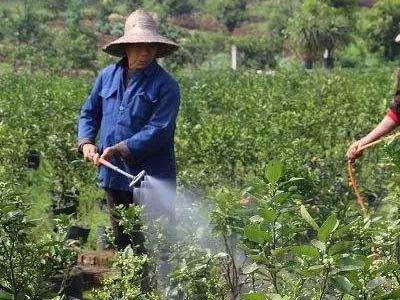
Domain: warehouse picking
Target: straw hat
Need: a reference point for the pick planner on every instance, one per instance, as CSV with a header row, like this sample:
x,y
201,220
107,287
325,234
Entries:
x,y
140,27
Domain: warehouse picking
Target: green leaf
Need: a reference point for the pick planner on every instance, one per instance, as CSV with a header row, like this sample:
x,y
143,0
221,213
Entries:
x,y
281,197
280,252
312,271
253,296
317,267
306,250
395,294
375,283
307,217
259,258
354,278
273,171
342,230
350,264
268,215
340,247
387,268
293,179
256,219
250,268
5,296
277,297
329,226
342,284
320,245
221,255
255,234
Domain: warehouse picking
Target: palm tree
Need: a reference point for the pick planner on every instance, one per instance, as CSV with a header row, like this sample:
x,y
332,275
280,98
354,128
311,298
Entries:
x,y
315,27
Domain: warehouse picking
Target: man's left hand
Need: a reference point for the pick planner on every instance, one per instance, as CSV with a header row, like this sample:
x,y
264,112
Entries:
x,y
109,152
119,150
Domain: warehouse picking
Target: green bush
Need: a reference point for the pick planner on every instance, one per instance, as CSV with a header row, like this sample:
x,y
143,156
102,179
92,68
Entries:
x,y
27,264
6,24
80,52
125,283
196,48
256,53
351,56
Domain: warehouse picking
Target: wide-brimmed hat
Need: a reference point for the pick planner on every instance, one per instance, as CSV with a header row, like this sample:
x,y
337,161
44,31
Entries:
x,y
140,27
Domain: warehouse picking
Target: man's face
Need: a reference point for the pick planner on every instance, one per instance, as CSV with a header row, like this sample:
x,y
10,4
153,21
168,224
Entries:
x,y
140,55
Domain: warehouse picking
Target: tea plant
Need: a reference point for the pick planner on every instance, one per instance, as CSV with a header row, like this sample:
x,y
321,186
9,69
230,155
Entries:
x,y
26,264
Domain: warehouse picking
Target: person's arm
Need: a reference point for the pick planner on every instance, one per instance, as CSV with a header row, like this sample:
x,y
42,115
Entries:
x,y
89,122
156,133
389,122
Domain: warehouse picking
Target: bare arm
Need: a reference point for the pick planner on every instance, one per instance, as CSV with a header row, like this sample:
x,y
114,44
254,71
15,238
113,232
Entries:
x,y
383,128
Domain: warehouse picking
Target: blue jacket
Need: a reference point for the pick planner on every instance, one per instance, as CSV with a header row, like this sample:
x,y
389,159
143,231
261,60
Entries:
x,y
143,114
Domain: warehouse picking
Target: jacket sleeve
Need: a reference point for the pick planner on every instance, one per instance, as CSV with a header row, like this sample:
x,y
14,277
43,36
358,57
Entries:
x,y
159,130
90,116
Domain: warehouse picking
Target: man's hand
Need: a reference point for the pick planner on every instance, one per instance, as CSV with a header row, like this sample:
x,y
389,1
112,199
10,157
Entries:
x,y
109,152
354,150
120,150
90,153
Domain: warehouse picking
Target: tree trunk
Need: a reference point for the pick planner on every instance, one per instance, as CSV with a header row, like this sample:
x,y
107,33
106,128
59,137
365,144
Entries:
x,y
328,59
307,61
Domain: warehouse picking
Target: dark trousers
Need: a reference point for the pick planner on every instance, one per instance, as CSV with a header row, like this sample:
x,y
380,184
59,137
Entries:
x,y
136,238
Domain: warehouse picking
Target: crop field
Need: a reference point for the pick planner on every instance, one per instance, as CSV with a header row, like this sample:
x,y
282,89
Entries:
x,y
270,213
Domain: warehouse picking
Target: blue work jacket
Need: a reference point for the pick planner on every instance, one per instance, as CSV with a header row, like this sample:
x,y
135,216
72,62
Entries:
x,y
143,114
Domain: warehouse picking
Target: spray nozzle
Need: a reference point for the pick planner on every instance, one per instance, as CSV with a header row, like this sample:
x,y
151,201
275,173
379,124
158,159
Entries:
x,y
137,178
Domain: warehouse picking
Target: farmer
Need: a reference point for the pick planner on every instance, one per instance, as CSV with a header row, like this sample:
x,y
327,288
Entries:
x,y
389,122
132,108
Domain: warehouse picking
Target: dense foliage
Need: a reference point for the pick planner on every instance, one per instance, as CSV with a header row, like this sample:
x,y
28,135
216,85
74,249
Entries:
x,y
264,209
267,151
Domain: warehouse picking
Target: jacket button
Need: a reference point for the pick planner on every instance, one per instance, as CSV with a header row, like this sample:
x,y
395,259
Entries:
x,y
121,108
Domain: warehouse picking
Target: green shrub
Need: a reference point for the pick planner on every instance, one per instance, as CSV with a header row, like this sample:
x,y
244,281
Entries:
x,y
126,282
26,264
196,48
351,56
256,53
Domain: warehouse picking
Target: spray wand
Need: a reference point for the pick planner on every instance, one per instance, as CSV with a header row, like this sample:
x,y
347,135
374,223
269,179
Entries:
x,y
134,179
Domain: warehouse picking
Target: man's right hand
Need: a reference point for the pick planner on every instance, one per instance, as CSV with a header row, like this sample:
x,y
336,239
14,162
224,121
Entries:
x,y
90,154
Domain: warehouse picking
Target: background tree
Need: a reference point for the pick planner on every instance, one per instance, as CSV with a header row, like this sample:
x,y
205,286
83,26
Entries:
x,y
317,26
178,7
27,24
379,26
74,15
57,6
229,12
134,4
279,13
